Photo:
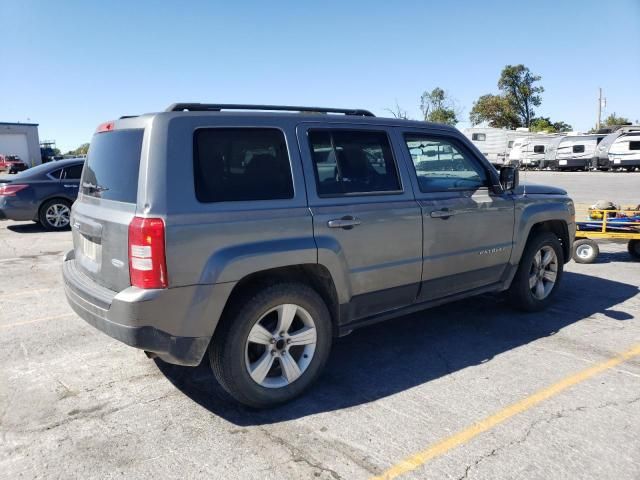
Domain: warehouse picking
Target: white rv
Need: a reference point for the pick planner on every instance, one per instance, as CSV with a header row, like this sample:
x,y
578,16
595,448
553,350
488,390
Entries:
x,y
494,143
601,159
529,151
624,152
573,152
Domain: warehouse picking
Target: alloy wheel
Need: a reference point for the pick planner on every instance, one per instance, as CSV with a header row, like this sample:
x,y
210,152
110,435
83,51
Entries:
x,y
543,272
57,215
280,346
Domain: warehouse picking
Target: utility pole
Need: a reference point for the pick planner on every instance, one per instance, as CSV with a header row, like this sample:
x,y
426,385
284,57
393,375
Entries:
x,y
599,109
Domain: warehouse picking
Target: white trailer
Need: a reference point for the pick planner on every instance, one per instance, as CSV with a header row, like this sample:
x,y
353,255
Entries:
x,y
624,152
573,152
529,151
601,159
494,143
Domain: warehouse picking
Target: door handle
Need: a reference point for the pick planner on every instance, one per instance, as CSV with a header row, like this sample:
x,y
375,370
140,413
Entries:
x,y
443,213
347,222
70,186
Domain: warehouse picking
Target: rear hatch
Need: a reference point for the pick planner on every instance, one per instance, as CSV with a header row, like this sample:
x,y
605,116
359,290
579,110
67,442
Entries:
x,y
106,205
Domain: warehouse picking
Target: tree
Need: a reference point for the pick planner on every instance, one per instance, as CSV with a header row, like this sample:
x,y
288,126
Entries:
x,y
81,150
544,124
517,85
438,106
562,127
612,120
513,107
398,112
496,111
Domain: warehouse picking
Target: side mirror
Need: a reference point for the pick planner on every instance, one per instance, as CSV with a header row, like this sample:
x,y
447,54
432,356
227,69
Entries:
x,y
509,178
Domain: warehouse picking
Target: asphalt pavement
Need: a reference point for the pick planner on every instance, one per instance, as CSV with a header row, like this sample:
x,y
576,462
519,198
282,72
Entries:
x,y
470,390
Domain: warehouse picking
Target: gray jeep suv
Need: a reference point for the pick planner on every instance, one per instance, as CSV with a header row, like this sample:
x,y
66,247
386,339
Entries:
x,y
257,234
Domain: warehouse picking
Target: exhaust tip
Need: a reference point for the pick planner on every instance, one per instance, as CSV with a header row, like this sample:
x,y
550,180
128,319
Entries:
x,y
151,355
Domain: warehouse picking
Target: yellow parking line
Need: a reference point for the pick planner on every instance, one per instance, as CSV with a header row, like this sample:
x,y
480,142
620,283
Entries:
x,y
43,319
443,446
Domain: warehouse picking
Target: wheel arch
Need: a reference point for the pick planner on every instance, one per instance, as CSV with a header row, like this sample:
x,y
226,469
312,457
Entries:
x,y
49,199
557,217
314,275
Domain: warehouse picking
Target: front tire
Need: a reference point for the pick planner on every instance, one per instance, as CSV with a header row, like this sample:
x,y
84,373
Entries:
x,y
54,214
271,344
539,273
634,249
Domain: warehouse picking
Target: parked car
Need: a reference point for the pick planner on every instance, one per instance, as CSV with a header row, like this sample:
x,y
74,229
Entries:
x,y
11,164
258,237
43,194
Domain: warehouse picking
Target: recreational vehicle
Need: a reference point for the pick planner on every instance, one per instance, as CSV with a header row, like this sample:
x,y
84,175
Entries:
x,y
625,151
494,143
573,152
529,151
601,159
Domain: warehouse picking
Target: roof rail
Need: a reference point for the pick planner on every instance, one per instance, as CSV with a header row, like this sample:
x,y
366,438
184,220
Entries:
x,y
216,107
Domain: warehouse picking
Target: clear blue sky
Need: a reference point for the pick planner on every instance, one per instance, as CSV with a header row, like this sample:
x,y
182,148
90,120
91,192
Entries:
x,y
69,65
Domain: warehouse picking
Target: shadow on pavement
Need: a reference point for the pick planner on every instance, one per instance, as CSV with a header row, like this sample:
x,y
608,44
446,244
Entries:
x,y
31,227
402,353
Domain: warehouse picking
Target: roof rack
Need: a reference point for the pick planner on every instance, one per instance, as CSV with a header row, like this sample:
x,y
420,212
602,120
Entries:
x,y
216,107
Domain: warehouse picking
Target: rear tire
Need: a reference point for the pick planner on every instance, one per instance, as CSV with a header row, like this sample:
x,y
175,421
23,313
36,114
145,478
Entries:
x,y
249,337
54,214
634,249
539,273
585,251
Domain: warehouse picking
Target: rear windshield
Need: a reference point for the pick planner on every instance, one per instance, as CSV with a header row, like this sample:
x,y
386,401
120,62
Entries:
x,y
113,161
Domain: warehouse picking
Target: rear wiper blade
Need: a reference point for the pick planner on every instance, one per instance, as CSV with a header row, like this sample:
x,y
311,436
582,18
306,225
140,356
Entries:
x,y
94,188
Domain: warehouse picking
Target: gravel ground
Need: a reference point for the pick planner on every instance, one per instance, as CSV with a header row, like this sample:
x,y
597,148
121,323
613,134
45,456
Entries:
x,y
76,404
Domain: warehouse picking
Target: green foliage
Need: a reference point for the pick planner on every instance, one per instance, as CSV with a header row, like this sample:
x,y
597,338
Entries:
x,y
81,150
612,120
513,107
562,127
496,111
437,106
517,84
544,124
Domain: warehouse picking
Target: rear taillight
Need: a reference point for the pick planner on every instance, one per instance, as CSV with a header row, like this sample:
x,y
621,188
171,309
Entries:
x,y
147,261
10,190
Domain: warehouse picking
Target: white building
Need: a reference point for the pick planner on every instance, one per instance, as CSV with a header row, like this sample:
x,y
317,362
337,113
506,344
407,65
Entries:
x,y
21,139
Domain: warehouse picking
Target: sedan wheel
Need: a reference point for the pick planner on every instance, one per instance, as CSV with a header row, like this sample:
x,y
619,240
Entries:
x,y
55,215
58,215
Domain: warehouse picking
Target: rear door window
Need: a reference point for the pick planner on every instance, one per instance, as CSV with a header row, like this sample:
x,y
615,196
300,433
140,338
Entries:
x,y
353,162
72,173
113,164
241,164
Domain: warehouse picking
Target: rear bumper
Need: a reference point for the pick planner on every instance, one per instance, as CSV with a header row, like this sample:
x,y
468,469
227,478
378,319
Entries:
x,y
12,208
616,163
573,162
132,316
